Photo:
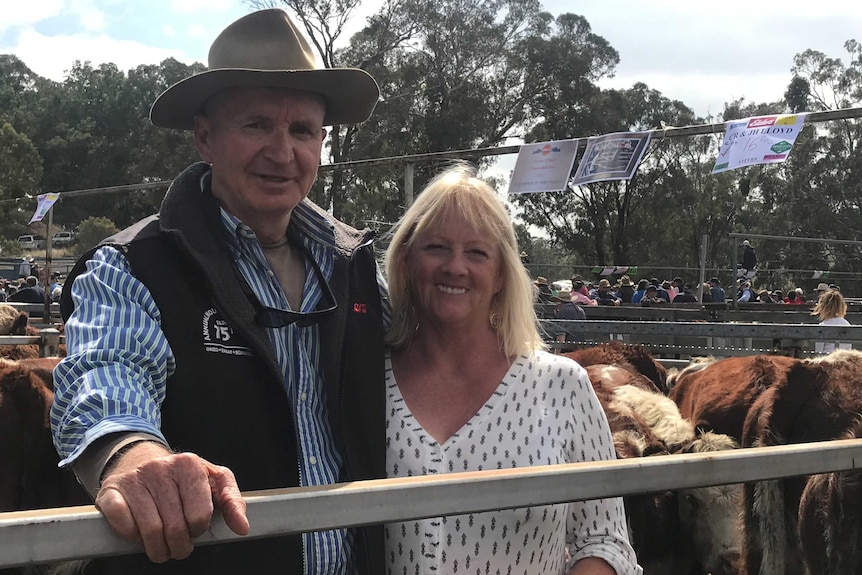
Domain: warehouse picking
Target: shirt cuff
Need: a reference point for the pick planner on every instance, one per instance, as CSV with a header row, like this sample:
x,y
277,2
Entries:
x,y
90,465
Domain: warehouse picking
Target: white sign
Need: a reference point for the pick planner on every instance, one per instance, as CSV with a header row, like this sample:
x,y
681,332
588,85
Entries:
x,y
543,167
760,140
45,201
611,157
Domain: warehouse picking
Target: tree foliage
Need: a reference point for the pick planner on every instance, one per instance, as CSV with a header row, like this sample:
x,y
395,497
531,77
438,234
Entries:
x,y
515,72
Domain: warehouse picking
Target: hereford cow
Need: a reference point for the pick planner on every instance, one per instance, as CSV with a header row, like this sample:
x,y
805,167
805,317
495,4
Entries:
x,y
29,476
716,396
820,400
830,520
690,531
635,358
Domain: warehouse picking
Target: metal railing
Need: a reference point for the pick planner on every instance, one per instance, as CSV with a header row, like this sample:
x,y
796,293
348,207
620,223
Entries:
x,y
58,534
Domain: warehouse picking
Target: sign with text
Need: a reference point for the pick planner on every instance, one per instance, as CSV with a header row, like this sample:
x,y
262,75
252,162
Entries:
x,y
543,167
44,203
760,140
611,157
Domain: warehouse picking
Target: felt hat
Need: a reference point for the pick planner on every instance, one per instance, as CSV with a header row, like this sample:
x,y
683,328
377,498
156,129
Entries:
x,y
541,281
822,287
563,296
266,49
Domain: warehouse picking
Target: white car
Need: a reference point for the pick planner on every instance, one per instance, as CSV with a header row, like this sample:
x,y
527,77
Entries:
x,y
31,242
63,238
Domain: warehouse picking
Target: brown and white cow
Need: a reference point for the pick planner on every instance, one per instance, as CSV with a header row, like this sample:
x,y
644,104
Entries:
x,y
820,400
634,357
830,520
716,396
29,476
685,532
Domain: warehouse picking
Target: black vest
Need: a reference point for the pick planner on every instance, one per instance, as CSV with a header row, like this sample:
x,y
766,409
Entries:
x,y
226,402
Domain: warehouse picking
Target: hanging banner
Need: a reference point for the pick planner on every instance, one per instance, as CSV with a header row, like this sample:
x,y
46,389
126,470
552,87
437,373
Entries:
x,y
611,157
760,140
543,167
45,201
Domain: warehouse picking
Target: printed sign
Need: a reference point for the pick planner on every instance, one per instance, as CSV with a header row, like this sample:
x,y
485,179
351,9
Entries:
x,y
611,157
543,167
760,140
45,201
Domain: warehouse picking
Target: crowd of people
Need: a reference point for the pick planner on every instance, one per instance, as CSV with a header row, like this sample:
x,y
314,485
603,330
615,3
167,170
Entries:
x,y
648,292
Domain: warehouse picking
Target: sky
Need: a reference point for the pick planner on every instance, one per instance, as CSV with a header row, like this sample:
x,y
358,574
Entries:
x,y
703,53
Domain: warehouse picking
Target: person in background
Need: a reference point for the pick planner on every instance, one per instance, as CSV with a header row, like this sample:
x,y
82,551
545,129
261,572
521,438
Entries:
x,y
687,295
745,293
235,340
577,279
545,292
578,296
567,309
831,309
662,293
640,292
30,292
716,292
749,259
778,296
4,286
627,289
603,294
466,369
706,293
651,297
822,288
676,287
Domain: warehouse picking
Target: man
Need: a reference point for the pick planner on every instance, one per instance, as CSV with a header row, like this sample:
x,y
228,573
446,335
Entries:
x,y
603,294
716,292
30,292
545,292
749,259
234,341
567,309
687,295
745,293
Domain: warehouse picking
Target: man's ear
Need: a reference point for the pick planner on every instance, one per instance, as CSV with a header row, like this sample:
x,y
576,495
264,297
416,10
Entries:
x,y
203,129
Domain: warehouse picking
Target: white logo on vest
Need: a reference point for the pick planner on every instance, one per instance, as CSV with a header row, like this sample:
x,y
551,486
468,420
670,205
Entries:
x,y
218,334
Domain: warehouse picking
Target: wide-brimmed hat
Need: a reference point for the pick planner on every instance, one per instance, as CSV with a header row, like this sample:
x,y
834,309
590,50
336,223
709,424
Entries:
x,y
626,281
541,281
266,49
563,296
822,287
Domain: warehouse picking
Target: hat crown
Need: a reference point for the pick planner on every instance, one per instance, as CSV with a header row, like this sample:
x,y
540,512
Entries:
x,y
263,40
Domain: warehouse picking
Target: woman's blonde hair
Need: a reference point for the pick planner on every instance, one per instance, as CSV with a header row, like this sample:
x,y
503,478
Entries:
x,y
458,191
830,304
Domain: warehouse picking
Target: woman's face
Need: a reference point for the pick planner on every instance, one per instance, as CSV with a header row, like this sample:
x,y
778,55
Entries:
x,y
453,271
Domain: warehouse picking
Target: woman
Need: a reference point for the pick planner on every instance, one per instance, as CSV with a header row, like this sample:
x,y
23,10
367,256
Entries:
x,y
831,309
471,388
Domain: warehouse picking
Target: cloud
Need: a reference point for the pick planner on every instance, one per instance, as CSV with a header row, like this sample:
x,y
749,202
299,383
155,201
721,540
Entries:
x,y
189,6
168,31
44,54
19,14
197,31
92,19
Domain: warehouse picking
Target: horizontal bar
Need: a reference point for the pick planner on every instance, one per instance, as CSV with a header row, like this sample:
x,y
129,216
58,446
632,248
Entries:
x,y
53,535
703,329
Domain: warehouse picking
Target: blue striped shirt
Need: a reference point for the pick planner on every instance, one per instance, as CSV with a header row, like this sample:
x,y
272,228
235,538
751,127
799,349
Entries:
x,y
113,378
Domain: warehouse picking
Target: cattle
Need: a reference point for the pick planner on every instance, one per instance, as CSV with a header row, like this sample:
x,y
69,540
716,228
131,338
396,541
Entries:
x,y
29,476
690,531
830,520
820,400
716,396
635,358
15,322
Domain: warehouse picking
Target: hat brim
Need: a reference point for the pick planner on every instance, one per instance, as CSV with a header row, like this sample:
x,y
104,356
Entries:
x,y
350,93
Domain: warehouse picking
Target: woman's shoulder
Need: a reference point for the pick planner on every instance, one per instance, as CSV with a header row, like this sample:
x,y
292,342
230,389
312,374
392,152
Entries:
x,y
550,361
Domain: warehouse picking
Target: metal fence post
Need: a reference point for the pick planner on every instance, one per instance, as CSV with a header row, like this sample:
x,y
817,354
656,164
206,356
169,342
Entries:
x,y
50,344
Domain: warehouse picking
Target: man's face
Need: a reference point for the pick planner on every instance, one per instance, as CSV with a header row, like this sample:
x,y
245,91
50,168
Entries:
x,y
264,145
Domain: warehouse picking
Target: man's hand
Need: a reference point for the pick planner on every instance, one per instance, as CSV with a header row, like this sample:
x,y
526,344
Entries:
x,y
165,500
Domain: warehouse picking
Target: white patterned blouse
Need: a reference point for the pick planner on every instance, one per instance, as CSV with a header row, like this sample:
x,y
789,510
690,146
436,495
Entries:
x,y
544,412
